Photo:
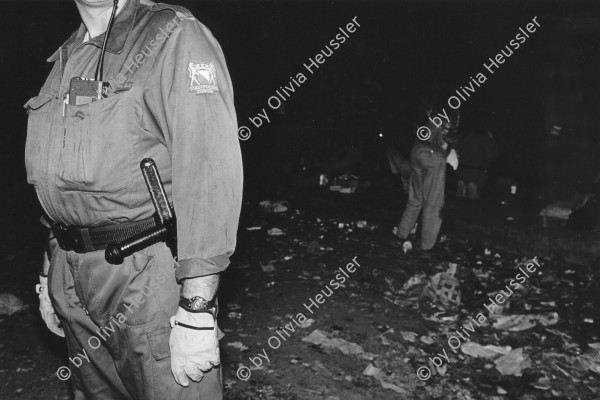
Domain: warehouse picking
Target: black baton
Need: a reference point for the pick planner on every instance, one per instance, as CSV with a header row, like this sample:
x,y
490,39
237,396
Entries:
x,y
165,231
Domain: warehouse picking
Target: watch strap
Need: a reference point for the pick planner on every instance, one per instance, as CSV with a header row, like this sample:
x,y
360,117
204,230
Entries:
x,y
188,304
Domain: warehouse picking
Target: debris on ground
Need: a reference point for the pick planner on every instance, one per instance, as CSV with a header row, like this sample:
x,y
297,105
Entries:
x,y
362,224
490,351
327,341
314,247
274,206
513,363
307,324
344,184
517,323
444,289
408,336
275,232
237,345
10,304
268,267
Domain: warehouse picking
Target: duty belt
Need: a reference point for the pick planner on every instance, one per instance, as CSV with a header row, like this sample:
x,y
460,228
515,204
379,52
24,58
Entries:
x,y
83,240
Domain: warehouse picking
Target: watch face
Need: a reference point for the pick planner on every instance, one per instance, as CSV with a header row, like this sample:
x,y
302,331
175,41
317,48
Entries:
x,y
198,303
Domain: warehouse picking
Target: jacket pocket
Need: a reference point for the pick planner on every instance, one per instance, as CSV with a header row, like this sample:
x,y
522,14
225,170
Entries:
x,y
159,343
37,132
97,154
141,298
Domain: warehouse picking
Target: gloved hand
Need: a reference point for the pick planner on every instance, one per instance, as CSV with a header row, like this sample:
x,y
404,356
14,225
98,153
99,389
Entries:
x,y
452,159
193,351
46,308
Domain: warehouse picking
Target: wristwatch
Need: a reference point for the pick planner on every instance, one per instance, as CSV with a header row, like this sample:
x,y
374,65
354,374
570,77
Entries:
x,y
196,304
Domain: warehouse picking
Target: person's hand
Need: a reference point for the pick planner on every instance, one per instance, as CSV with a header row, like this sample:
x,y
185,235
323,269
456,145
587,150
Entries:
x,y
46,308
452,159
194,345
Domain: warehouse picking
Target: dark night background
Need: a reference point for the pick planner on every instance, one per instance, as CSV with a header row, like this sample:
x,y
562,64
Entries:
x,y
402,50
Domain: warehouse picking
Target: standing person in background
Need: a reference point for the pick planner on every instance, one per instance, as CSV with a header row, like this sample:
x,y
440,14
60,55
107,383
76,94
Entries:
x,y
477,150
427,180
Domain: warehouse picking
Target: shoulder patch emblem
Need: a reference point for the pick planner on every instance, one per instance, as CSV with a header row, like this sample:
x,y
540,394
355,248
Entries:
x,y
203,78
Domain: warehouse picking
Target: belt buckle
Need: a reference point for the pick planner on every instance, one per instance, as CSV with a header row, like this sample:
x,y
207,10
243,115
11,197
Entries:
x,y
69,238
60,231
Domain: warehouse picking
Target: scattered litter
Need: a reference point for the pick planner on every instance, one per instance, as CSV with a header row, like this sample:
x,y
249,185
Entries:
x,y
407,246
556,211
595,346
590,361
517,323
544,383
288,258
391,386
10,304
326,341
414,280
275,232
408,336
268,267
383,379
444,288
489,351
344,184
513,363
237,345
313,247
253,228
365,225
371,370
441,370
234,315
390,282
307,323
426,339
414,287
274,206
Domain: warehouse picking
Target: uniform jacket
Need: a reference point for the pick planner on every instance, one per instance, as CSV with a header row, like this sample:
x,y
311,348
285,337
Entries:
x,y
171,99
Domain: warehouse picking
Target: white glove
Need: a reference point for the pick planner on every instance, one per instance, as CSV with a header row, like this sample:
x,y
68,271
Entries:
x,y
46,308
452,159
193,351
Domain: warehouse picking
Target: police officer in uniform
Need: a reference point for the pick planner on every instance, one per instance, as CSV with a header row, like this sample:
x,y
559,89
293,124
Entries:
x,y
144,329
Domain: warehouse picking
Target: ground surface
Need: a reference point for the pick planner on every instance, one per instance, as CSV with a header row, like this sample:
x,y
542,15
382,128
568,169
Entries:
x,y
272,278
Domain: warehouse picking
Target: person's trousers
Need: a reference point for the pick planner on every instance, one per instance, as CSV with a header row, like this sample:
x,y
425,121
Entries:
x,y
426,194
116,322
